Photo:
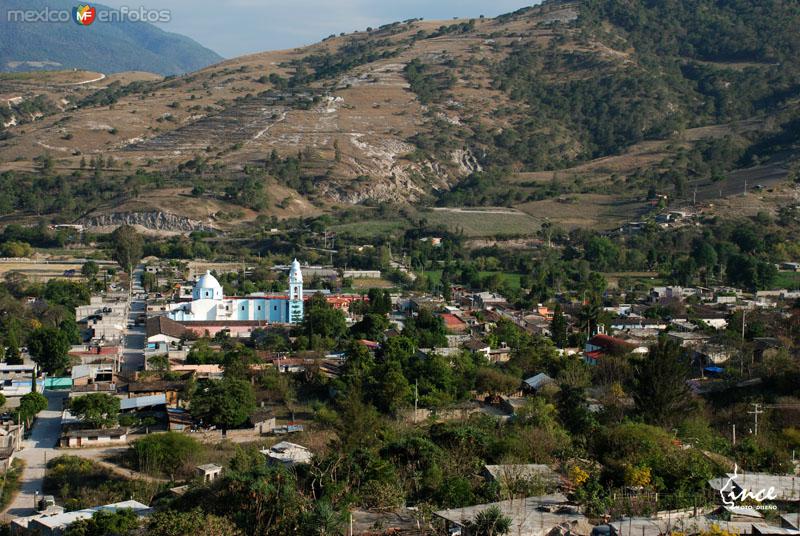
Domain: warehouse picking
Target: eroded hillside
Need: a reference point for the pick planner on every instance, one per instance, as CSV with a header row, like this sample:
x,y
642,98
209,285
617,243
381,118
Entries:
x,y
508,111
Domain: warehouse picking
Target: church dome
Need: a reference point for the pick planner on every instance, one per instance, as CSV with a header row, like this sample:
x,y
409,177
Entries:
x,y
207,288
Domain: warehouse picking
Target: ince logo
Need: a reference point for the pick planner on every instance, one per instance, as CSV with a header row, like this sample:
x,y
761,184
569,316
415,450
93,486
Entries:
x,y
84,14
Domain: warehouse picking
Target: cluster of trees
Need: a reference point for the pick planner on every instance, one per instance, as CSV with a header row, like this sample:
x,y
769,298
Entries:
x,y
428,83
326,65
47,327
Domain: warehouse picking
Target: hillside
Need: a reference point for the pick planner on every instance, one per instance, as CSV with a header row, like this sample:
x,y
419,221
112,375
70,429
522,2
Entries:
x,y
577,113
108,47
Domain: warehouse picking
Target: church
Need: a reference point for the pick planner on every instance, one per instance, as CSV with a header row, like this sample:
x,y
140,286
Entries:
x,y
210,305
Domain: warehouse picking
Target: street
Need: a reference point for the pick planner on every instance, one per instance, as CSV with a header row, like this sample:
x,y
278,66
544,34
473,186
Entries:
x,y
43,440
38,448
134,339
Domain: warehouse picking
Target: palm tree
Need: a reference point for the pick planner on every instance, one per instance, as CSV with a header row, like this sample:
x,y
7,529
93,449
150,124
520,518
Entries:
x,y
490,522
589,316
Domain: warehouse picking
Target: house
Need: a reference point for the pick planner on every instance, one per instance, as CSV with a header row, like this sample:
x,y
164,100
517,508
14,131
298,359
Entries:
x,y
92,374
263,421
534,383
55,525
602,345
532,516
691,339
486,300
665,293
453,324
179,420
500,355
418,303
97,354
199,372
143,402
161,329
171,389
10,437
289,454
477,346
94,438
208,472
627,323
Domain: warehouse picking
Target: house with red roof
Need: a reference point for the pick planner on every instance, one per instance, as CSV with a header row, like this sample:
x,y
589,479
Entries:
x,y
453,323
602,345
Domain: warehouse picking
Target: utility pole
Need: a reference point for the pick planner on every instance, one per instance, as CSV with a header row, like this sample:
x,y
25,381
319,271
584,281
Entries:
x,y
734,435
755,413
744,314
416,398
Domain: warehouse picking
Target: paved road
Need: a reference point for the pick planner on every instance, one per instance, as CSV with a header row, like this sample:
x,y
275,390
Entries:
x,y
38,448
133,348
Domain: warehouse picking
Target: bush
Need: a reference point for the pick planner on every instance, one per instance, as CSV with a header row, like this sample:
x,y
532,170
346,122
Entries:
x,y
168,453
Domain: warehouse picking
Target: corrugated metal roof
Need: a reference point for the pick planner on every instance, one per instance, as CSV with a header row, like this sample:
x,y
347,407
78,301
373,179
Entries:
x,y
143,402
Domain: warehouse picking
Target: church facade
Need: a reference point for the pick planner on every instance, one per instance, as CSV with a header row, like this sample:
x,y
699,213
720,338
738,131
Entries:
x,y
210,305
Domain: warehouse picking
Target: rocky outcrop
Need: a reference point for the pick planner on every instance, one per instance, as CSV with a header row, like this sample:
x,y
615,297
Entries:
x,y
155,220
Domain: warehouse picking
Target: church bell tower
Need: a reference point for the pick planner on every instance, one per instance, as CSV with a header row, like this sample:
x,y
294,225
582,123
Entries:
x,y
295,294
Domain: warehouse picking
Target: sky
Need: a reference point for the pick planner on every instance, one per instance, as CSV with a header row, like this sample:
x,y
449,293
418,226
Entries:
x,y
236,27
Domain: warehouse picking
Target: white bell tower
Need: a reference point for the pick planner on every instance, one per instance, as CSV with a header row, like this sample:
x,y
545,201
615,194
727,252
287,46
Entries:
x,y
295,293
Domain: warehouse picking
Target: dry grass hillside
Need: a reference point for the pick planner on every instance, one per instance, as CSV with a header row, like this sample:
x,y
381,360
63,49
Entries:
x,y
359,130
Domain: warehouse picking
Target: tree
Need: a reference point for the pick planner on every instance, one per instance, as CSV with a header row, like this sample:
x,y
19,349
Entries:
x,y
392,390
371,327
490,522
49,348
105,523
660,391
159,363
128,247
227,403
495,382
323,321
149,281
165,453
100,410
12,355
29,405
323,520
90,269
172,523
558,327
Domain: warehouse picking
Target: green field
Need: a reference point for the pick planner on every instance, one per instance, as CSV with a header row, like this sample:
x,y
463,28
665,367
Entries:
x,y
787,280
512,279
484,222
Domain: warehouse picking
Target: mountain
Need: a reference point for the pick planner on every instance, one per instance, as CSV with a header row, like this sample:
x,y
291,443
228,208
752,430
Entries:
x,y
108,47
581,114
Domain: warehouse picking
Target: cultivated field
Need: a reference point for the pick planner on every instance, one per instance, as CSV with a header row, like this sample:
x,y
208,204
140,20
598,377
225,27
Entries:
x,y
38,270
484,222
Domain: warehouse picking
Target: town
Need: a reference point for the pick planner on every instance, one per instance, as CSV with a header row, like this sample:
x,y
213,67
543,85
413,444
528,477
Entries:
x,y
171,369
400,268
